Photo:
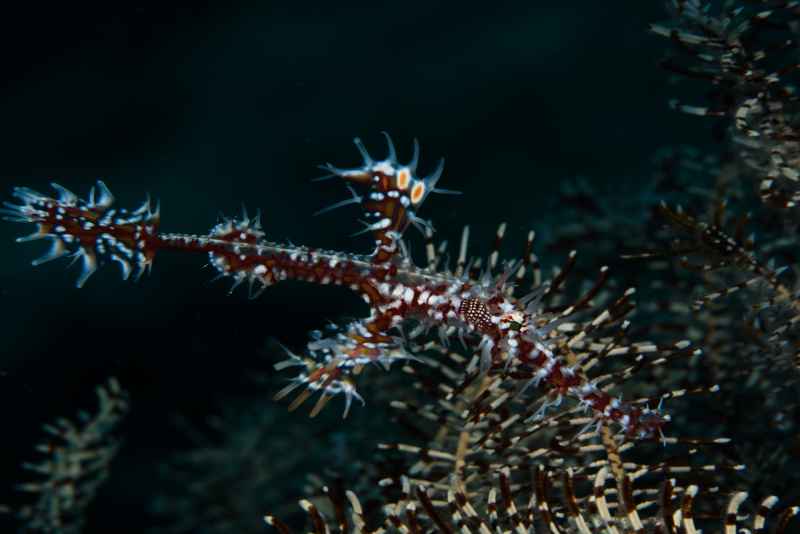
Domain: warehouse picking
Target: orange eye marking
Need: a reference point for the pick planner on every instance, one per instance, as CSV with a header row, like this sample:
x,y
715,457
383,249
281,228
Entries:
x,y
417,192
403,178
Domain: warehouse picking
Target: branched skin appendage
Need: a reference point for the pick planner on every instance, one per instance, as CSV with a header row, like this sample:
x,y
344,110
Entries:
x,y
405,301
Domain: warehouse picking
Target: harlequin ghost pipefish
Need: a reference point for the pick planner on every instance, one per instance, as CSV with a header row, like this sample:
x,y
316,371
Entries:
x,y
504,333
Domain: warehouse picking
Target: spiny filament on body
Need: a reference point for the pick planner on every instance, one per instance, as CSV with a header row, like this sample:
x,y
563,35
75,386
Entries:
x,y
548,348
393,195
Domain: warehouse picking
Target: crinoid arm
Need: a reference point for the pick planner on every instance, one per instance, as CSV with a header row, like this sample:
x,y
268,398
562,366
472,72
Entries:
x,y
394,193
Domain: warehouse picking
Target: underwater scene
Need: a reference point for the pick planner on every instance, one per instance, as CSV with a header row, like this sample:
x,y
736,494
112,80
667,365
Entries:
x,y
420,268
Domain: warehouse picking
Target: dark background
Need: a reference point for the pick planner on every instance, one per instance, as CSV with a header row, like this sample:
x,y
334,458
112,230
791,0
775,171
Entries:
x,y
208,108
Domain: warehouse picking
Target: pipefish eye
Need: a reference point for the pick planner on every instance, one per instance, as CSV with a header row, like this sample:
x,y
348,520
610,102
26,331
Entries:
x,y
514,320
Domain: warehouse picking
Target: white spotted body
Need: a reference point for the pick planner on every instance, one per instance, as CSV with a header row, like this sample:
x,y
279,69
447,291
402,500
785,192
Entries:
x,y
405,301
